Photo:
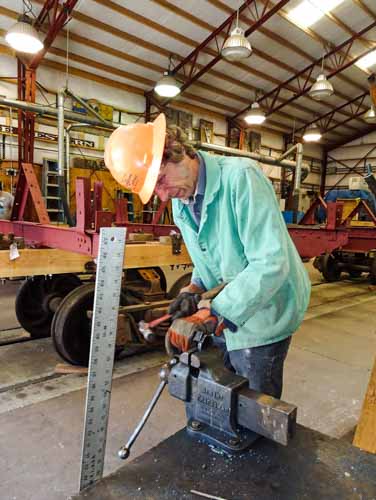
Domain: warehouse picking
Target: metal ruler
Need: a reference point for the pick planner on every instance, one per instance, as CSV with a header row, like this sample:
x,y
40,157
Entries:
x,y
102,350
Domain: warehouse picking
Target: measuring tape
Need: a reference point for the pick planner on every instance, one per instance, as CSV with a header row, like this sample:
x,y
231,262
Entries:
x,y
102,351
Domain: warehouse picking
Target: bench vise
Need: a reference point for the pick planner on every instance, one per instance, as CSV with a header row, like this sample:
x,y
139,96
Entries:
x,y
220,407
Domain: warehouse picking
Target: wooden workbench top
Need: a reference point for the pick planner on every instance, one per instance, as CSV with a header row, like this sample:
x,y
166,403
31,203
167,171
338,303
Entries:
x,y
33,262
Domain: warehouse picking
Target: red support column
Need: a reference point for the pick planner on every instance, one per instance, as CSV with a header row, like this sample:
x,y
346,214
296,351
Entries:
x,y
26,127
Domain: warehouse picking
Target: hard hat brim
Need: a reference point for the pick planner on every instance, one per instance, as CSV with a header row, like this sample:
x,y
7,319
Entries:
x,y
159,138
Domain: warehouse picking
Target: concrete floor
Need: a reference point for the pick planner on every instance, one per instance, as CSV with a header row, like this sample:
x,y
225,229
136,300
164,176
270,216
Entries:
x,y
41,414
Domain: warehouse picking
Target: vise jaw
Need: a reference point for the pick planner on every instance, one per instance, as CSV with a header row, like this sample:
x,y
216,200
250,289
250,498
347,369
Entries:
x,y
220,407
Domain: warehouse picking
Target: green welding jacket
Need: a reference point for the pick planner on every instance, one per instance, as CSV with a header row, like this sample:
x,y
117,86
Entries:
x,y
243,241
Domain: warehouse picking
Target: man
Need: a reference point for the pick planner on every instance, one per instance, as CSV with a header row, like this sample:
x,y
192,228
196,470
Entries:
x,y
229,217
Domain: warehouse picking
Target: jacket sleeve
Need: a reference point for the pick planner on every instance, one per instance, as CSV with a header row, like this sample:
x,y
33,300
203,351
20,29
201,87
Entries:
x,y
265,240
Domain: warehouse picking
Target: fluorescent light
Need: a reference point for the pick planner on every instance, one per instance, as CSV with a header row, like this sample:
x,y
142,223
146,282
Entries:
x,y
309,12
367,61
23,37
167,86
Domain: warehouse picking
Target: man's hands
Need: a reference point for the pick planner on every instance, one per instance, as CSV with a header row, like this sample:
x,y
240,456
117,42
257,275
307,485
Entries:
x,y
186,302
182,330
191,312
184,305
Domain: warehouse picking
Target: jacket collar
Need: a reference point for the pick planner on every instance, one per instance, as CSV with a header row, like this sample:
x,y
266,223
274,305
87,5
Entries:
x,y
213,183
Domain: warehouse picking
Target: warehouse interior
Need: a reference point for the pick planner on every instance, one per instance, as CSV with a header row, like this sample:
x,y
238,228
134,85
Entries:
x,y
90,264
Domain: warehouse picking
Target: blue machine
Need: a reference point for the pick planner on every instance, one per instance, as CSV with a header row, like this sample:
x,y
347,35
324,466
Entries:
x,y
347,194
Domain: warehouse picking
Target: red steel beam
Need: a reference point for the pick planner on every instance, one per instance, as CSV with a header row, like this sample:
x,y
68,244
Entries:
x,y
326,120
311,242
351,138
302,78
189,65
56,22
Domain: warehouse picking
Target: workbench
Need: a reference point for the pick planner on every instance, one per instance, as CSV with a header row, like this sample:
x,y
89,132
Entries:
x,y
43,261
312,466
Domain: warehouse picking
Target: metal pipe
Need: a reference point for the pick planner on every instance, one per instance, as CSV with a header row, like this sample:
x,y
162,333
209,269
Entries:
x,y
288,152
268,160
60,133
67,162
67,152
85,105
48,111
298,170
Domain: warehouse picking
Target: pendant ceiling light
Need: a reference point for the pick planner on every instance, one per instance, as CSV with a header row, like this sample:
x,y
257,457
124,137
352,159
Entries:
x,y
312,134
236,47
255,116
23,37
167,86
322,87
370,115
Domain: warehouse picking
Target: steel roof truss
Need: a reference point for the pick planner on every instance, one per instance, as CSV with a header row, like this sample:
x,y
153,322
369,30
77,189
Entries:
x,y
195,71
301,80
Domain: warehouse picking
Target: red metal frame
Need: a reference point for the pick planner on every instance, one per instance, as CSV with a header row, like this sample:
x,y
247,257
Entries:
x,y
56,20
26,90
84,238
310,239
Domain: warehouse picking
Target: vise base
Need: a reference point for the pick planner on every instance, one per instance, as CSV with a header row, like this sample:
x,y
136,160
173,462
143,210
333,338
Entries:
x,y
236,443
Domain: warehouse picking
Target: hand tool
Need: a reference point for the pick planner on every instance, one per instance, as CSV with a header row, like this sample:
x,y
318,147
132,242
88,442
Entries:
x,y
146,328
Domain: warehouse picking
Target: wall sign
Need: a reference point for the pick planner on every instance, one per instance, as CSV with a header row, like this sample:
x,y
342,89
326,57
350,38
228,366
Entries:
x,y
45,136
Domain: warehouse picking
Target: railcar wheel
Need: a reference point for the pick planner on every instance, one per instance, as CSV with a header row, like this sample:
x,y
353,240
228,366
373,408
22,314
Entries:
x,y
38,298
71,325
178,285
330,269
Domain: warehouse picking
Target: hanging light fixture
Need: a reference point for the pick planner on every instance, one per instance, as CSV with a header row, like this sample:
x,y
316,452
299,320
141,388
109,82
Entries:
x,y
255,116
167,86
312,133
236,46
370,115
322,87
23,37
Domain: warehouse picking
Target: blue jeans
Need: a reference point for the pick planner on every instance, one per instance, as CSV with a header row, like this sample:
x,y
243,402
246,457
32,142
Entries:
x,y
262,366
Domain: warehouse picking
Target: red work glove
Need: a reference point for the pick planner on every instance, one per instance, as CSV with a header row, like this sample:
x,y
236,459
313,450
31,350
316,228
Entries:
x,y
182,330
